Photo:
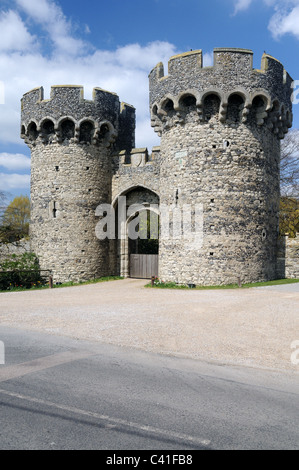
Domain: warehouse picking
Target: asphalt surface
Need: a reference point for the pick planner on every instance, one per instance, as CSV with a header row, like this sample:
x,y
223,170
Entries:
x,y
119,366
59,393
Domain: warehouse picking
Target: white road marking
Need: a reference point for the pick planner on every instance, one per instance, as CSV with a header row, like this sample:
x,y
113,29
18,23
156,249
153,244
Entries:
x,y
112,422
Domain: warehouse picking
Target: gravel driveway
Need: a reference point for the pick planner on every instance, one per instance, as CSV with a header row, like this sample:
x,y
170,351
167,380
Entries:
x,y
253,327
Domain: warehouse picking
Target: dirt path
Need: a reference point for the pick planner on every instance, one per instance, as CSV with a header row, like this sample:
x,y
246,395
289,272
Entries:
x,y
253,327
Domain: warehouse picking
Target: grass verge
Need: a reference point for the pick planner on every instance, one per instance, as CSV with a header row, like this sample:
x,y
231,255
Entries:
x,y
173,285
65,284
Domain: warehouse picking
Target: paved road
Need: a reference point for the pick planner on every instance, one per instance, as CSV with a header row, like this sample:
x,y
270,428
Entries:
x,y
61,393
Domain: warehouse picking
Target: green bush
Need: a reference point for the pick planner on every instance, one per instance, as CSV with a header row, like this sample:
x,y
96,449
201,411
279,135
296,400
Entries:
x,y
20,271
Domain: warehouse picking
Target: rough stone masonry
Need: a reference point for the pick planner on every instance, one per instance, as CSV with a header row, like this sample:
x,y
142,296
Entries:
x,y
220,130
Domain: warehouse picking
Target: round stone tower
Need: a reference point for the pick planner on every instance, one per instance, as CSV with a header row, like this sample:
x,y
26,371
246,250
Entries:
x,y
71,140
220,131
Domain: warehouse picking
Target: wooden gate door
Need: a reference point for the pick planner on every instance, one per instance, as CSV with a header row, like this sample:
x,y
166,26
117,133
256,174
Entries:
x,y
143,266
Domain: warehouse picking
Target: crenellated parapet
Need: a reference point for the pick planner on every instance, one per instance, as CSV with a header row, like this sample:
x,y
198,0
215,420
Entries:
x,y
68,117
137,157
230,91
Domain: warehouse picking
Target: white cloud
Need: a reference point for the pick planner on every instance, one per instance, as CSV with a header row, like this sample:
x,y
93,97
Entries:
x,y
123,71
50,16
138,57
14,35
41,10
285,21
14,181
14,161
241,5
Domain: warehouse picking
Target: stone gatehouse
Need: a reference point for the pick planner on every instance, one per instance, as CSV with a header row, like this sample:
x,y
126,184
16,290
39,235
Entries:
x,y
215,174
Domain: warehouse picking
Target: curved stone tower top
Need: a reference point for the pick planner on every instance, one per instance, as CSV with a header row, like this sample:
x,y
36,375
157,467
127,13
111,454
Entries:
x,y
188,83
103,117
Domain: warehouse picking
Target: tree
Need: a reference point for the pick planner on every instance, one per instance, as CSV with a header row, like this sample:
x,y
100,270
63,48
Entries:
x,y
289,165
289,216
289,184
15,220
2,200
2,208
147,225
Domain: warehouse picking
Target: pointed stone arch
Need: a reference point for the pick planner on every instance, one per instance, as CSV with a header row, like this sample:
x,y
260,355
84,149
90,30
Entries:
x,y
143,199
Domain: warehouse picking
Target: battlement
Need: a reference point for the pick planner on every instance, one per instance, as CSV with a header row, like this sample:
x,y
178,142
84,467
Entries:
x,y
73,93
137,157
91,120
239,60
231,80
127,125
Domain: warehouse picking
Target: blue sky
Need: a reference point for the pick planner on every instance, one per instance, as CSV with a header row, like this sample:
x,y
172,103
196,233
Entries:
x,y
114,44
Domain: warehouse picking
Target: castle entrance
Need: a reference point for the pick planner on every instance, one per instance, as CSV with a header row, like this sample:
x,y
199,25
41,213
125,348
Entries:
x,y
138,229
143,266
144,249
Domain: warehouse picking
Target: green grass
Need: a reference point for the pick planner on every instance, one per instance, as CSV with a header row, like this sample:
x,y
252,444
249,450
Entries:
x,y
65,284
169,285
173,285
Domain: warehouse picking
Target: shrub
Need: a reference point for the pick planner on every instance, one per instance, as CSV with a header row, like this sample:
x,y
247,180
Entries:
x,y
20,271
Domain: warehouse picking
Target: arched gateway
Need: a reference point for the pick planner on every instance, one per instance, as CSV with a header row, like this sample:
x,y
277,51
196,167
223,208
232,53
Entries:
x,y
137,228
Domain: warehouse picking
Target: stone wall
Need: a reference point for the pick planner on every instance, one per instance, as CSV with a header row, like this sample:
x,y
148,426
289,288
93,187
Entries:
x,y
17,248
238,189
135,168
288,257
68,182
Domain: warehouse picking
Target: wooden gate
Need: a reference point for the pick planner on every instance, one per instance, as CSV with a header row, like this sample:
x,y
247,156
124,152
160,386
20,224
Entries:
x,y
143,266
